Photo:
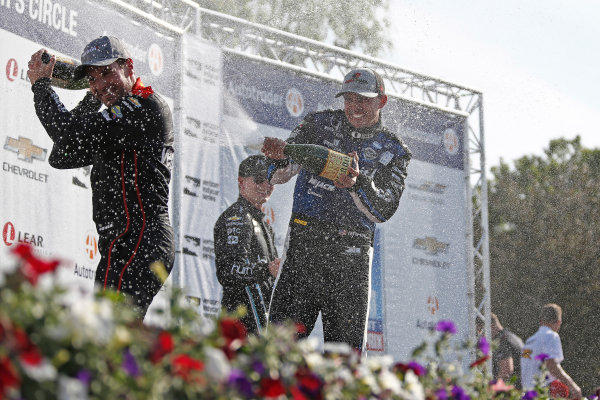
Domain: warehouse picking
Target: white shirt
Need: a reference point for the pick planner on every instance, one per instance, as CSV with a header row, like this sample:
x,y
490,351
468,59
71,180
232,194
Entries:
x,y
544,341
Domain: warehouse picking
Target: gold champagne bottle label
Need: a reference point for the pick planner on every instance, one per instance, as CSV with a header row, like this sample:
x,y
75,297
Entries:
x,y
337,164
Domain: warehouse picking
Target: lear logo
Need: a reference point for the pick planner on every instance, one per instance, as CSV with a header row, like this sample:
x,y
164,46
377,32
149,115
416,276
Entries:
x,y
8,233
431,245
91,246
155,59
12,69
433,304
294,102
25,149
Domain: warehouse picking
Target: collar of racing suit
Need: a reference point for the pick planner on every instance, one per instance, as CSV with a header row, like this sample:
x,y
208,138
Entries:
x,y
363,133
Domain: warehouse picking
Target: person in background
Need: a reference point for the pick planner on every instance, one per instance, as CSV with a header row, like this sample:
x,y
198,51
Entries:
x,y
545,347
506,358
129,146
245,253
327,265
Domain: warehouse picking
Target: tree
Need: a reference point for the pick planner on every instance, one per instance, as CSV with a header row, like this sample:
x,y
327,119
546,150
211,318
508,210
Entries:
x,y
351,24
544,248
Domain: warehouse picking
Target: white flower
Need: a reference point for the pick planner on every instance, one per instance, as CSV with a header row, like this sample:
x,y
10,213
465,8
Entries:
x,y
92,320
217,365
43,371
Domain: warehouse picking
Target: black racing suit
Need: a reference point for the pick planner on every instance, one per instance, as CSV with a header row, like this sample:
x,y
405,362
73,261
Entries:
x,y
327,265
244,247
130,149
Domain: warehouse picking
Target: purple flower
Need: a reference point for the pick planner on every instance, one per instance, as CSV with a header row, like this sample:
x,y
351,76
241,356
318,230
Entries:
x,y
458,393
417,368
84,376
484,346
130,365
258,367
441,394
446,327
238,380
542,357
530,395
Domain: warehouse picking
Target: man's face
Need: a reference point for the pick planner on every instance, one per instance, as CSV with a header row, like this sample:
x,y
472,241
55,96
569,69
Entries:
x,y
111,82
256,190
363,111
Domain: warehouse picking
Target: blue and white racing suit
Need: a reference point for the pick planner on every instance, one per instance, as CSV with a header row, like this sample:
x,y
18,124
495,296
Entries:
x,y
327,262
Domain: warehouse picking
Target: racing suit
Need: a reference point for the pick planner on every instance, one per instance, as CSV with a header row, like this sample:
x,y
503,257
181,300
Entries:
x,y
244,247
130,149
327,265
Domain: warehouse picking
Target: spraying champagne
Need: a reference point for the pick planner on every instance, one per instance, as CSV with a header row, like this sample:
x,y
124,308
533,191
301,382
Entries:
x,y
63,74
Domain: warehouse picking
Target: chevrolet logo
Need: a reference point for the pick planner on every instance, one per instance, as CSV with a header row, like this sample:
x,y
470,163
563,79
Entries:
x,y
431,245
25,149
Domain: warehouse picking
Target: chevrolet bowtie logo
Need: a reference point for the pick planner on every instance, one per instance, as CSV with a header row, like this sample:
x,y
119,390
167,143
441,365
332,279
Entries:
x,y
25,149
431,245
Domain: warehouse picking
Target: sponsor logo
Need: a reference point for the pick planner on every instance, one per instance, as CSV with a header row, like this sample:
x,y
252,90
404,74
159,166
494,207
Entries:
x,y
25,149
156,60
91,246
233,239
433,304
84,272
192,183
385,158
10,236
234,218
300,222
375,341
241,269
191,244
269,212
428,325
429,187
12,70
527,353
116,111
335,145
431,263
352,250
81,177
431,245
450,140
320,184
369,153
294,102
134,101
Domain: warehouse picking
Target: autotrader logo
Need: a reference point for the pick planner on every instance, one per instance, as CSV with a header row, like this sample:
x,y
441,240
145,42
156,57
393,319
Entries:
x,y
12,69
25,149
91,246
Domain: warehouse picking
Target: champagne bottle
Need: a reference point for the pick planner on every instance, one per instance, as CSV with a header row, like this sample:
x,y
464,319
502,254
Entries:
x,y
319,160
63,74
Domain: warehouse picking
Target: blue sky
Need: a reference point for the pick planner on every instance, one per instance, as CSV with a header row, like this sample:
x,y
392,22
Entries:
x,y
537,64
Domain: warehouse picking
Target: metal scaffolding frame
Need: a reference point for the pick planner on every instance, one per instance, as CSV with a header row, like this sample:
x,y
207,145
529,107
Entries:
x,y
315,58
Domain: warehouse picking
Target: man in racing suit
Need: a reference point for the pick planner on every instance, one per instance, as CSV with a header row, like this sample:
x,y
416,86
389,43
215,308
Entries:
x,y
327,265
245,253
130,148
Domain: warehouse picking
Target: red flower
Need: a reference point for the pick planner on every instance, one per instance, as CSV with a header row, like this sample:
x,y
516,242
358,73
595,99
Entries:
x,y
300,328
309,385
28,352
271,388
558,389
33,266
232,330
163,346
8,375
184,365
479,362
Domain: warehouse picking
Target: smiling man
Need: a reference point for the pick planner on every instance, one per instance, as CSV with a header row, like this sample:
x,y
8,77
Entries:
x,y
245,253
327,265
129,146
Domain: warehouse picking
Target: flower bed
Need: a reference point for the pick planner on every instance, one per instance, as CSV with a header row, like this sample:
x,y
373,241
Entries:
x,y
95,349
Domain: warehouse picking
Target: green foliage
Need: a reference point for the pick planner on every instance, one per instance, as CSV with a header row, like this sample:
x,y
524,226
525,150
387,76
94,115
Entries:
x,y
544,235
355,25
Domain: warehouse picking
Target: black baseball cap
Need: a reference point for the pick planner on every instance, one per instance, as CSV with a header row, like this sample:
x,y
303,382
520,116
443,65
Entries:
x,y
363,81
101,51
254,166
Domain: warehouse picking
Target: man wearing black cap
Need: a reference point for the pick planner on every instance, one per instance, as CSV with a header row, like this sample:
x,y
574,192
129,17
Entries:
x,y
130,148
246,257
327,265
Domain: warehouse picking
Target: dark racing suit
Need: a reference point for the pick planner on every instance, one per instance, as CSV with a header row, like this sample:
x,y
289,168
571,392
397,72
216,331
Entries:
x,y
327,265
244,247
130,149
